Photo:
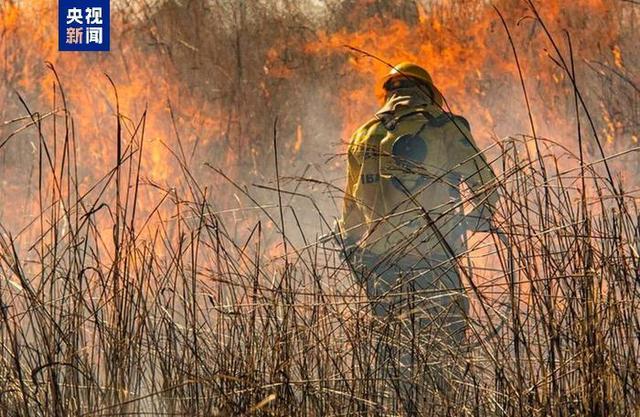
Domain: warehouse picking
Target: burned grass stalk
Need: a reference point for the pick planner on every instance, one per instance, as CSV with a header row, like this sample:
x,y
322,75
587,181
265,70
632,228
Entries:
x,y
126,296
108,309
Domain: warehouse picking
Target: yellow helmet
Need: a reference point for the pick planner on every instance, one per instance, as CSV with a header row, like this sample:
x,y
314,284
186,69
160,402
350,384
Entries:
x,y
409,69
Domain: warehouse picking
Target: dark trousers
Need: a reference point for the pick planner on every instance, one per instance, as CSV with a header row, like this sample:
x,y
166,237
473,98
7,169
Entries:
x,y
421,313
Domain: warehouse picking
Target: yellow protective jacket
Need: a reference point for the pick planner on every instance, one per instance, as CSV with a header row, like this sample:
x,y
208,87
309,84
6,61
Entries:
x,y
405,169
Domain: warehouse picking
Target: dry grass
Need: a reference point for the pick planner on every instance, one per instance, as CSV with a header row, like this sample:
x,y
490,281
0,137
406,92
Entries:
x,y
114,307
181,319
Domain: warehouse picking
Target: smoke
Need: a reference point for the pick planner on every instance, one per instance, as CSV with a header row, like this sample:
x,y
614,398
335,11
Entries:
x,y
214,76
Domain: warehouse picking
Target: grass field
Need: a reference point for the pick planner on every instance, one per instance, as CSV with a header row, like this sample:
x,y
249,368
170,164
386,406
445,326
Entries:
x,y
162,257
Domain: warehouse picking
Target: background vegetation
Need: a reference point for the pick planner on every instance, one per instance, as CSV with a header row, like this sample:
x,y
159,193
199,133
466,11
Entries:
x,y
159,248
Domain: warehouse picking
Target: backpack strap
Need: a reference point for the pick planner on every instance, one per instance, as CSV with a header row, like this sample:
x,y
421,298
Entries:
x,y
391,122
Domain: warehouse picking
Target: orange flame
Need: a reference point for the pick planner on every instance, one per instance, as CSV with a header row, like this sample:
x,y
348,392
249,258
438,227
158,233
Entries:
x,y
470,60
462,44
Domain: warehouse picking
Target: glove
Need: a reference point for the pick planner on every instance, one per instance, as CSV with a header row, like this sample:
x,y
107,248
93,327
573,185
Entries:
x,y
348,245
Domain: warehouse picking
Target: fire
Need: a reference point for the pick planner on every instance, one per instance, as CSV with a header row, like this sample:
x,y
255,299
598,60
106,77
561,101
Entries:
x,y
10,17
617,56
298,142
143,82
462,44
470,60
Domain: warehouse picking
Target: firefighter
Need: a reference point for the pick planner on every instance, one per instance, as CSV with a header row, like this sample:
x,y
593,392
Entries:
x,y
402,225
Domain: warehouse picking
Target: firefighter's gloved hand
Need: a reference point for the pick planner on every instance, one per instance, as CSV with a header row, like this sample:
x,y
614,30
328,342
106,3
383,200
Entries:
x,y
348,245
334,236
